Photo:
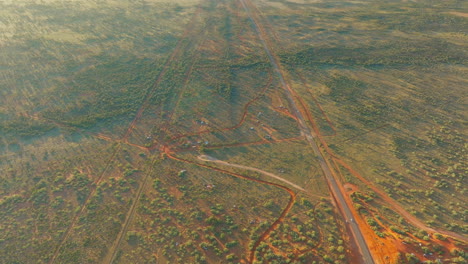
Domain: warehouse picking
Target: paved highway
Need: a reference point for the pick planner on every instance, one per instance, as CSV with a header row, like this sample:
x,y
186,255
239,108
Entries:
x,y
310,136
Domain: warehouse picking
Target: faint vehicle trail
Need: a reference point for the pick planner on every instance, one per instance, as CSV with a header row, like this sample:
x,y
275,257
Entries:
x,y
269,174
125,136
110,257
178,48
83,206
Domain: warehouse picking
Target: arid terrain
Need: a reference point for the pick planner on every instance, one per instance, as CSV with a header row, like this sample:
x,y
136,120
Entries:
x,y
233,131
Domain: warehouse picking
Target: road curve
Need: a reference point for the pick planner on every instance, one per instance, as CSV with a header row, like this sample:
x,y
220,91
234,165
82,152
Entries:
x,y
266,233
269,174
310,137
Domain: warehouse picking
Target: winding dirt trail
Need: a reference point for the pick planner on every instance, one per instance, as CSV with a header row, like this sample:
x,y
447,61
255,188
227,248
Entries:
x,y
266,233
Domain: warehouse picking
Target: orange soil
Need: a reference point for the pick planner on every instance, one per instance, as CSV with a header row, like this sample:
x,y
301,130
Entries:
x,y
275,224
369,233
285,111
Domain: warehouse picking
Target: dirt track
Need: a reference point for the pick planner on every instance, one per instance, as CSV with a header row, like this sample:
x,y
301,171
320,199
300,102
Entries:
x,y
265,234
83,207
112,253
211,159
177,50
